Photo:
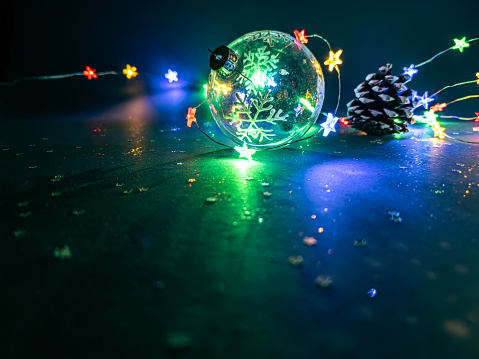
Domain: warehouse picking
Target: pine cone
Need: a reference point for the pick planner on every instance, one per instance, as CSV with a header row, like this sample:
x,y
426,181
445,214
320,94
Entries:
x,y
383,104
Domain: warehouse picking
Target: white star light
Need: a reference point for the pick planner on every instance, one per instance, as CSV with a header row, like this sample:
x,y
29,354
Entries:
x,y
271,82
329,124
411,71
245,151
423,101
171,76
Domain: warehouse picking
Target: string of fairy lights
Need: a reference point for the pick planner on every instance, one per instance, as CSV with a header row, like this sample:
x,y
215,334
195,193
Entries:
x,y
428,117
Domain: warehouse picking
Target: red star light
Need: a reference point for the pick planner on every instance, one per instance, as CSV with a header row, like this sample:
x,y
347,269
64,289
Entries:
x,y
300,36
191,116
438,107
90,73
477,114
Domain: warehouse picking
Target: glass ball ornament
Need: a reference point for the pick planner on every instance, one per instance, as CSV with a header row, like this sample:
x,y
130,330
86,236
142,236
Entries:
x,y
265,89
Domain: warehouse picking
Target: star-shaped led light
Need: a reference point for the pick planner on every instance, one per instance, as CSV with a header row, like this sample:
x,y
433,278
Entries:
x,y
430,118
329,124
222,88
477,119
438,107
477,75
333,59
271,82
299,110
438,131
300,36
191,116
245,151
460,44
423,101
130,71
410,71
171,76
308,95
90,73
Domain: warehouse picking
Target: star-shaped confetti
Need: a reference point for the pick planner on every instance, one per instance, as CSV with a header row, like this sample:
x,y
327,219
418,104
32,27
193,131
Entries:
x,y
171,76
438,131
191,116
333,59
329,124
130,71
423,101
90,73
300,36
430,118
245,151
410,71
460,44
299,110
438,107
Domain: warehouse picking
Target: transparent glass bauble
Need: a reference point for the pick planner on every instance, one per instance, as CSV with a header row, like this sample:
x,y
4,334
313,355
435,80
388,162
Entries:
x,y
274,95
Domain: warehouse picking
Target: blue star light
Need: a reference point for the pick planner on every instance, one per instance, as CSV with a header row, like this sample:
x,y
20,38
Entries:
x,y
410,71
299,110
423,101
171,76
329,124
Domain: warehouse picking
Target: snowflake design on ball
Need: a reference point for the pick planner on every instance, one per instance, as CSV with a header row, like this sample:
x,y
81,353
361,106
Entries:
x,y
249,115
255,63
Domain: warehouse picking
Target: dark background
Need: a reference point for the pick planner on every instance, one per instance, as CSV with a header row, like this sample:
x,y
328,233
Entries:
x,y
56,37
148,265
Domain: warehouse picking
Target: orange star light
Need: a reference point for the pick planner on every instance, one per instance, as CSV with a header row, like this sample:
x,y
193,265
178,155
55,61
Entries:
x,y
90,73
191,116
333,59
300,36
130,71
438,107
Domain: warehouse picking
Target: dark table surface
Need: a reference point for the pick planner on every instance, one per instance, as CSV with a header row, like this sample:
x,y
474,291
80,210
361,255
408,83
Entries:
x,y
156,271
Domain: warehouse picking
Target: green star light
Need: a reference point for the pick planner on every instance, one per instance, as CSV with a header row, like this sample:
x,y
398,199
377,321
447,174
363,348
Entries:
x,y
460,44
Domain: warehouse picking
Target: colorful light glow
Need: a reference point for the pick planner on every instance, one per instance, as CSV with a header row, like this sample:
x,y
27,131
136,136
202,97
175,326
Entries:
x,y
333,59
306,104
477,75
438,107
430,118
299,110
343,120
90,73
460,44
410,71
423,101
191,116
130,71
329,124
271,82
477,115
171,75
222,88
245,151
438,131
300,36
